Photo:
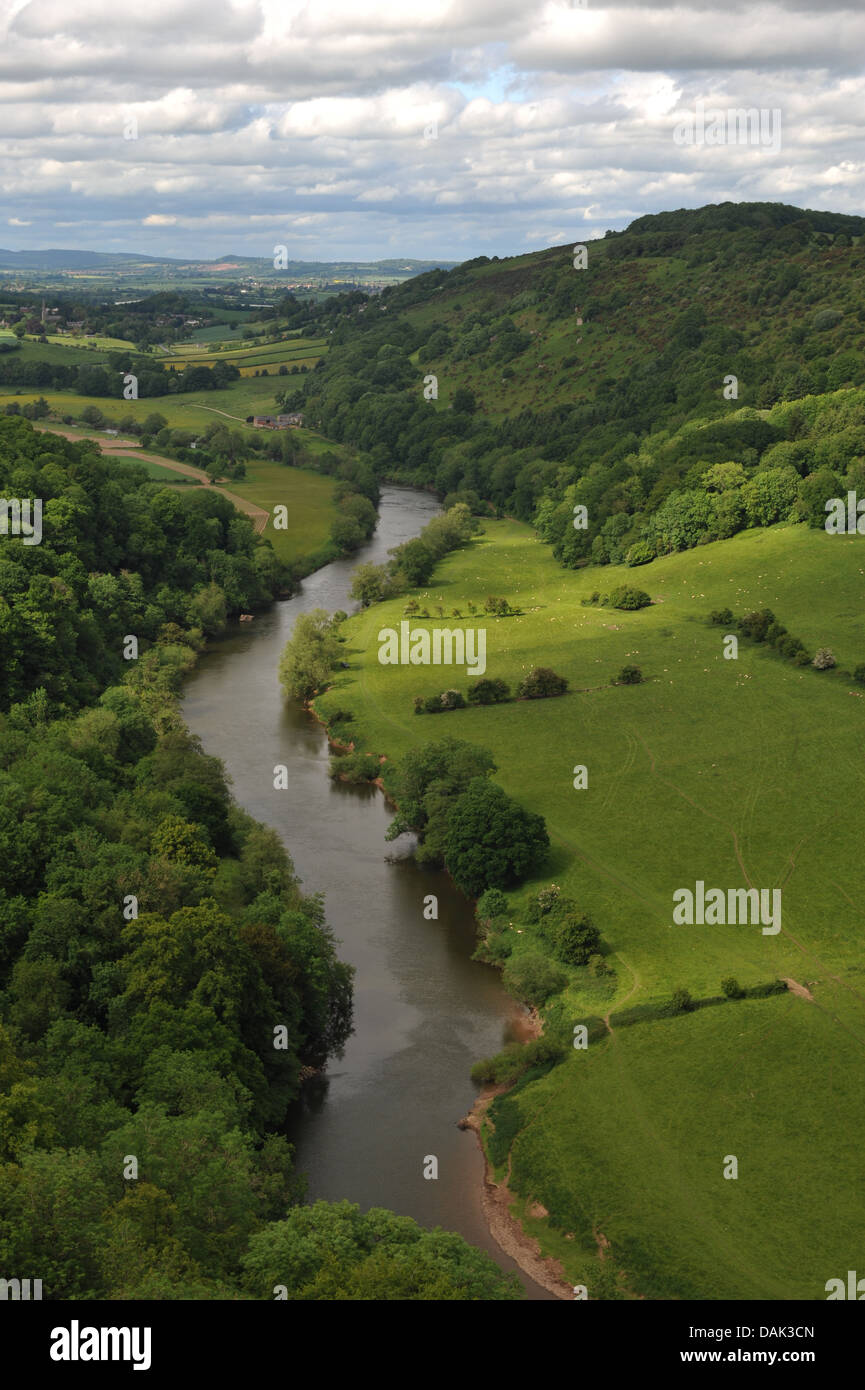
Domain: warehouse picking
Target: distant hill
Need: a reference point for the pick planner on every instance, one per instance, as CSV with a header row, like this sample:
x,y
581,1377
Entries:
x,y
73,260
60,260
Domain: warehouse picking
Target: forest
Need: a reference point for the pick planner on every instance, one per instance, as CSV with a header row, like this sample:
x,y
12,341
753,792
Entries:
x,y
701,383
165,984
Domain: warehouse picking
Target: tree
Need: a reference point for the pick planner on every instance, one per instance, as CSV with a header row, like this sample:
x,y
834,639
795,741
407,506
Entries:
x,y
541,683
464,401
208,610
629,675
574,937
487,691
824,659
371,584
347,534
756,625
333,1251
183,842
415,562
731,988
309,656
770,495
491,841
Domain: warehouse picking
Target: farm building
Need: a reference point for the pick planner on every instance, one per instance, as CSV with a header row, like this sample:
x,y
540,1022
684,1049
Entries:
x,y
277,422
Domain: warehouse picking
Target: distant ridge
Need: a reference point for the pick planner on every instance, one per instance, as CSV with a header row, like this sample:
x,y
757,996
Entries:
x,y
60,259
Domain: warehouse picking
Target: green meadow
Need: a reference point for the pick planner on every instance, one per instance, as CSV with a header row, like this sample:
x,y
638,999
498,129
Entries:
x,y
307,496
740,773
187,410
293,352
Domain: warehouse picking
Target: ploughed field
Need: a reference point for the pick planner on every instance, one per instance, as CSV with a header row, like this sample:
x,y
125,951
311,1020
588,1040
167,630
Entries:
x,y
736,773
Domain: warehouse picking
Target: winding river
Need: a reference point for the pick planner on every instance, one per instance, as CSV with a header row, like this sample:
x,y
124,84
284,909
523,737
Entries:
x,y
424,1011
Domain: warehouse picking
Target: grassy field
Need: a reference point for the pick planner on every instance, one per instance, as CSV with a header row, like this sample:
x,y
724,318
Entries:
x,y
188,410
249,355
307,496
738,773
164,475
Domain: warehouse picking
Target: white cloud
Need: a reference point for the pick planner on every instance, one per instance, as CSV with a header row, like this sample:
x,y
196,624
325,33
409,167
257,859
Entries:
x,y
260,116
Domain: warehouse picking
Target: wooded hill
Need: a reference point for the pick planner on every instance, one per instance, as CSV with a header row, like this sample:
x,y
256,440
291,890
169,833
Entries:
x,y
605,386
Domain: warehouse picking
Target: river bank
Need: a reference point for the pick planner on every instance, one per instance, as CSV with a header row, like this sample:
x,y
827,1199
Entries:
x,y
498,1200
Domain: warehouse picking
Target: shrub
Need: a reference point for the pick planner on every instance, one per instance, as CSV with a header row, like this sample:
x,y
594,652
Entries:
x,y
824,660
628,598
681,1001
732,989
763,991
488,692
859,675
827,318
598,965
340,716
354,767
496,948
433,705
516,1059
721,617
789,646
533,978
452,699
541,683
492,903
547,899
641,553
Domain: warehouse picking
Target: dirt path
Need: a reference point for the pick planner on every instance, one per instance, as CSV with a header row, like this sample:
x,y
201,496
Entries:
x,y
128,449
213,410
795,988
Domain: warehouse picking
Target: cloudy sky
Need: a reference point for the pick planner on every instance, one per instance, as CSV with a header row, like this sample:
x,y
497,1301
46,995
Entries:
x,y
365,129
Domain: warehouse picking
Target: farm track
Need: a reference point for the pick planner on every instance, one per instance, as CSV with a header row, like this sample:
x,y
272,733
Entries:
x,y
129,451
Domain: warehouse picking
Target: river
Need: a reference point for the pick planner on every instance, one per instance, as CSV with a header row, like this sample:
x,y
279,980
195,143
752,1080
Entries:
x,y
423,1010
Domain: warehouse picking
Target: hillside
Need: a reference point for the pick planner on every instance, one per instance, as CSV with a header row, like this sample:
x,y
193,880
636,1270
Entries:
x,y
694,324
734,772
